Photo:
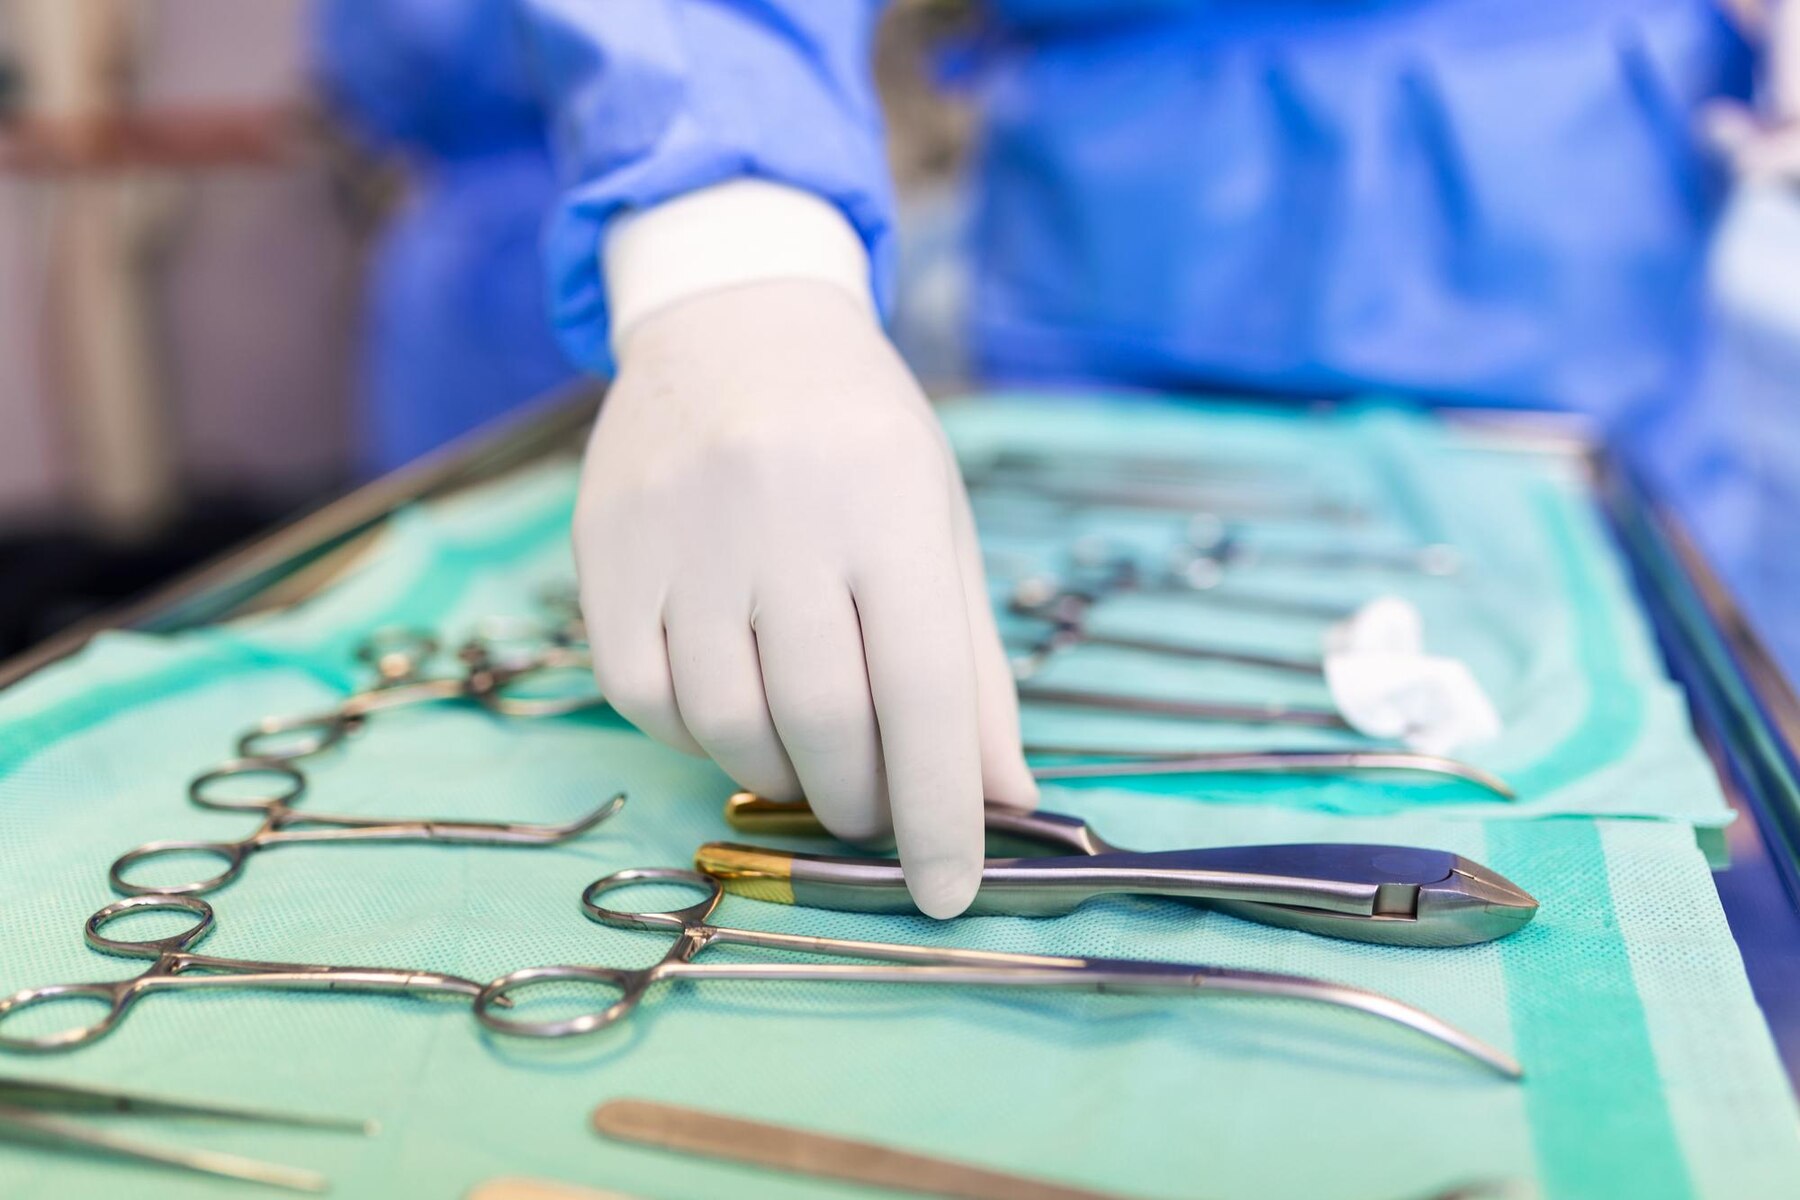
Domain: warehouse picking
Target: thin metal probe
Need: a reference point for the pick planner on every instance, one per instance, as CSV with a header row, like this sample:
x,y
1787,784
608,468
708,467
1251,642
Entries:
x,y
23,1124
1194,710
41,1094
1140,763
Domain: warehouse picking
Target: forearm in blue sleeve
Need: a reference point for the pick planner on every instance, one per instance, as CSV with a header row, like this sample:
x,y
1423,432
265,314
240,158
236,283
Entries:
x,y
654,98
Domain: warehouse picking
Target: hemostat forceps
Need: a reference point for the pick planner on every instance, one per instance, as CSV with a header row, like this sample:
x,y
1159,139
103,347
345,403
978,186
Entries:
x,y
496,676
171,961
1395,895
900,963
284,825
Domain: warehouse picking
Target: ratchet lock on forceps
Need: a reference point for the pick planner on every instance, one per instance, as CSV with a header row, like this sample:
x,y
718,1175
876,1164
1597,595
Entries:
x,y
1395,895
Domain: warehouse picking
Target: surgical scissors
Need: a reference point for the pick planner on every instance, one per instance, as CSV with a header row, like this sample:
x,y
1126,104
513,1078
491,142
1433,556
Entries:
x,y
901,963
495,676
1392,895
171,959
284,825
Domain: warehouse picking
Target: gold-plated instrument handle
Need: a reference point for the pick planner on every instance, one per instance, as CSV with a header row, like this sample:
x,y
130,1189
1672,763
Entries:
x,y
749,870
751,813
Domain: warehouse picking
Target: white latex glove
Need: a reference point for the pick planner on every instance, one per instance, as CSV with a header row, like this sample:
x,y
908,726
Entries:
x,y
779,570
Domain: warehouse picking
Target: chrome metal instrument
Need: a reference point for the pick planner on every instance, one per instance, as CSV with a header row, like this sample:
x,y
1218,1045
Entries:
x,y
1067,614
1212,711
1394,895
504,671
902,963
26,1106
284,825
174,968
803,1152
1113,763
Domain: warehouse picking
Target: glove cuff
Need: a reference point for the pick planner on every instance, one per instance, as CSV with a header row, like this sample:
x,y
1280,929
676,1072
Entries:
x,y
740,231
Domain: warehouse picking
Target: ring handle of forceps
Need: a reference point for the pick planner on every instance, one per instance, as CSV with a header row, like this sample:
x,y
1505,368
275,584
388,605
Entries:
x,y
319,732
687,923
234,855
176,943
293,785
495,681
117,995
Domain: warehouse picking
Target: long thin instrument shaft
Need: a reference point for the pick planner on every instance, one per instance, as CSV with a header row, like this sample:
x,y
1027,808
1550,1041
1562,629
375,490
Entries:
x,y
25,1125
1193,710
803,1152
44,1094
1126,763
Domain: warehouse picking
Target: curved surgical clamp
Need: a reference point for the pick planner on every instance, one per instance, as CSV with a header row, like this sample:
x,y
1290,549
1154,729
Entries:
x,y
900,963
284,825
1394,895
172,961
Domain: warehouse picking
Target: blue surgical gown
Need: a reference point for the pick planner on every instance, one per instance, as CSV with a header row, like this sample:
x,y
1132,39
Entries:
x,y
456,319
1467,201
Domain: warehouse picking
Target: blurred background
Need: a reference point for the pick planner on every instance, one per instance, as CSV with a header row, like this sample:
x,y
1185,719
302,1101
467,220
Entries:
x,y
179,268
194,244
185,231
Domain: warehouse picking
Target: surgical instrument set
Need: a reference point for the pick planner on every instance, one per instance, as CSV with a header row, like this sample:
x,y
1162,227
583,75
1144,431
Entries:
x,y
170,961
284,825
25,1105
1394,895
903,963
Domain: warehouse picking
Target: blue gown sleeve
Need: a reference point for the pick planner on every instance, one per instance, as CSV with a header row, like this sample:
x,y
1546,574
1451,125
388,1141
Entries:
x,y
434,79
653,98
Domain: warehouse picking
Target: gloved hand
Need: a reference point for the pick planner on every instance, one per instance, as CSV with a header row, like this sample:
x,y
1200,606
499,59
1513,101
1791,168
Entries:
x,y
779,569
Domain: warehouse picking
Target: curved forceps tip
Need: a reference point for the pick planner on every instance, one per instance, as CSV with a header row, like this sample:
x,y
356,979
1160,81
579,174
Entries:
x,y
599,816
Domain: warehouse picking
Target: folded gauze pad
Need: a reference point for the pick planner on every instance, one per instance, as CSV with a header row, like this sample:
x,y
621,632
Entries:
x,y
1387,624
1433,704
